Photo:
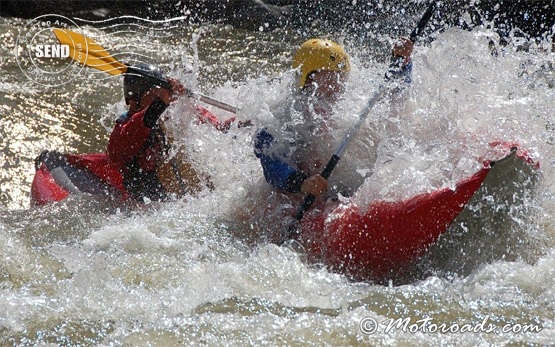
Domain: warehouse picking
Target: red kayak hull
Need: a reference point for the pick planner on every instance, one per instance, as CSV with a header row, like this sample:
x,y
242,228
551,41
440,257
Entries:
x,y
380,241
89,171
44,189
376,242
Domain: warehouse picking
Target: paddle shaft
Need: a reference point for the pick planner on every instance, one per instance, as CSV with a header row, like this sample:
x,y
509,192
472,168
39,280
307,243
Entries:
x,y
309,200
89,53
328,169
164,83
206,99
216,103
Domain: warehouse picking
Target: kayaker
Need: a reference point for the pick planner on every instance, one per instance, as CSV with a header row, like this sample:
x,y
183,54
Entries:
x,y
138,145
293,153
137,163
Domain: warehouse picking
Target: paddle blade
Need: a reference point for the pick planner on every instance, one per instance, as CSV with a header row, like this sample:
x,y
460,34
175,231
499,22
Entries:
x,y
101,65
88,52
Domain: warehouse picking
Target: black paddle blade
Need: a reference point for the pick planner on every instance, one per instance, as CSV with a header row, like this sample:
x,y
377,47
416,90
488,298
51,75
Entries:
x,y
422,22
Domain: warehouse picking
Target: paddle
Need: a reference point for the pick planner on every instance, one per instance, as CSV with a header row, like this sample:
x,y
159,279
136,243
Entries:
x,y
89,53
309,200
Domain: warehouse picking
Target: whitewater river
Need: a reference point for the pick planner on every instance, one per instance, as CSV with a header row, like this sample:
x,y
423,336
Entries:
x,y
85,272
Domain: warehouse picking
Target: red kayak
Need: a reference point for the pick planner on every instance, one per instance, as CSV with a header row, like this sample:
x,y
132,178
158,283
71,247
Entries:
x,y
58,175
375,242
381,241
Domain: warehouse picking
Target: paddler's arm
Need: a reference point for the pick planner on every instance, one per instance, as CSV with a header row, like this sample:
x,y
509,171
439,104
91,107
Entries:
x,y
282,175
131,132
204,115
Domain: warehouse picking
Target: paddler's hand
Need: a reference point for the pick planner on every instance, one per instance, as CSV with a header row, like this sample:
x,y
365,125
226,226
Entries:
x,y
314,185
177,89
403,48
160,93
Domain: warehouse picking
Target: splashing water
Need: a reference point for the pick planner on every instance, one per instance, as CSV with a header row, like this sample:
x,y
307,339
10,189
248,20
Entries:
x,y
84,272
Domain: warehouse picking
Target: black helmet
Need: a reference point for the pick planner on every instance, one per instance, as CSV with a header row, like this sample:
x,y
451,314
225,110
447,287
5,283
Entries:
x,y
141,78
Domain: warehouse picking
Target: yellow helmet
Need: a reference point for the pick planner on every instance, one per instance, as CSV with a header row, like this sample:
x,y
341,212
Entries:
x,y
318,54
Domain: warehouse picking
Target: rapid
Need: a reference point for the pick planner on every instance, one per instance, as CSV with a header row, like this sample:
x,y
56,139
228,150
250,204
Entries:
x,y
84,272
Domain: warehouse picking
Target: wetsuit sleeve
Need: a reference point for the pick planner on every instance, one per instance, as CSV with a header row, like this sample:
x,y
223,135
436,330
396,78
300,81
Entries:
x,y
277,173
399,71
153,113
205,116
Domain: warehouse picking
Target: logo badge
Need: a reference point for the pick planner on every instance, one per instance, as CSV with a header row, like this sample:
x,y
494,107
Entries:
x,y
41,57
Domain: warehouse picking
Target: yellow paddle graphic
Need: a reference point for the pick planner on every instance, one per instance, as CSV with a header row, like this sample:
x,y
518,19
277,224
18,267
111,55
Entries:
x,y
88,52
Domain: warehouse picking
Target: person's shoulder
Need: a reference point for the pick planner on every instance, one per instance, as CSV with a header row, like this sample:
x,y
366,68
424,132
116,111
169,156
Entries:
x,y
124,117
